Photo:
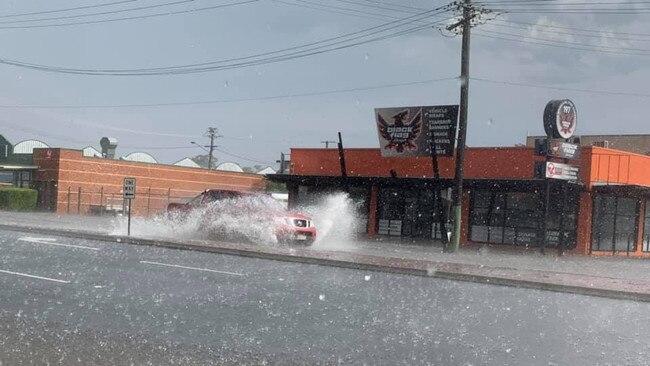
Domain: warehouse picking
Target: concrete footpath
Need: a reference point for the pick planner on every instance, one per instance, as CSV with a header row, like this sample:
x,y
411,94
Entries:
x,y
616,277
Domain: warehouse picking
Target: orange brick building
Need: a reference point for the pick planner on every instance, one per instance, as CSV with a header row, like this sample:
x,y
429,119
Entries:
x,y
68,182
605,213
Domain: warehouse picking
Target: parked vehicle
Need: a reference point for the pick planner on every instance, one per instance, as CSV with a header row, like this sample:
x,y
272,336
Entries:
x,y
228,214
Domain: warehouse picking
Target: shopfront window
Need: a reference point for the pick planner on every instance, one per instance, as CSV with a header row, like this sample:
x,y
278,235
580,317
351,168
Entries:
x,y
614,223
516,218
410,213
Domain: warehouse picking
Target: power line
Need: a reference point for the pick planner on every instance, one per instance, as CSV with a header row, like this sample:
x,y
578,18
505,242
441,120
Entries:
x,y
612,11
383,17
213,68
67,9
96,14
550,87
567,42
572,28
358,35
480,34
194,10
341,8
387,3
242,157
182,69
560,4
376,6
603,34
236,100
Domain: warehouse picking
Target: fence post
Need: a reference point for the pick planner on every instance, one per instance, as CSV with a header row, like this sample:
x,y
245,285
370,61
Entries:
x,y
101,201
68,211
148,201
79,201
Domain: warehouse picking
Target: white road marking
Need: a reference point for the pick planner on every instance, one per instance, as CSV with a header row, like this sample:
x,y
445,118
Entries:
x,y
192,268
33,276
39,239
49,242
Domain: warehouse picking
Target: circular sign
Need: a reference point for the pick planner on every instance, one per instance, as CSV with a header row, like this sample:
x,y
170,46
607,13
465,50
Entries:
x,y
560,119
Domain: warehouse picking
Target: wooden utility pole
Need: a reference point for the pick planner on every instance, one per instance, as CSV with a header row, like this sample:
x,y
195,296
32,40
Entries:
x,y
212,133
457,194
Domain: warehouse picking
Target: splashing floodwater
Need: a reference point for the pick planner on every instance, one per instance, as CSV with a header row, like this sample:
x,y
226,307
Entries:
x,y
250,219
335,218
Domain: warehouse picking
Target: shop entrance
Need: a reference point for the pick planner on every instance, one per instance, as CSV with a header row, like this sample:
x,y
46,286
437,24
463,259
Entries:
x,y
408,213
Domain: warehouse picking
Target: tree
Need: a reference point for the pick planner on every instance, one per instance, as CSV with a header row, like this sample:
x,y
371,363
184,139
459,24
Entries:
x,y
202,160
254,169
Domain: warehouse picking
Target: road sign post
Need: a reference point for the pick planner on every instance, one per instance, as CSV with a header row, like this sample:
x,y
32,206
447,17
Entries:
x,y
128,193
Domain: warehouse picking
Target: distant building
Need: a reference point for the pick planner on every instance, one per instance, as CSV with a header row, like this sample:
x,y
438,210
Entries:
x,y
141,157
187,162
638,144
91,152
267,170
230,167
16,167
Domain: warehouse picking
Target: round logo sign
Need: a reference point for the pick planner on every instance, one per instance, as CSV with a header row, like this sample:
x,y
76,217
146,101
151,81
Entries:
x,y
560,119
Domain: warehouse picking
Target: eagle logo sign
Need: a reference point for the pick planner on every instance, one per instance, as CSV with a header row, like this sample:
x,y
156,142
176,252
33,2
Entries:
x,y
566,119
402,133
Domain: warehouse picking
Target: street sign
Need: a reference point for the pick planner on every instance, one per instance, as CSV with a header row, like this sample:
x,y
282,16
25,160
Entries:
x,y
564,150
128,192
413,131
561,171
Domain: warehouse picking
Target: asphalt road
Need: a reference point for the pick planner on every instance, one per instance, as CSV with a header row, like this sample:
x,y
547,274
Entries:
x,y
79,302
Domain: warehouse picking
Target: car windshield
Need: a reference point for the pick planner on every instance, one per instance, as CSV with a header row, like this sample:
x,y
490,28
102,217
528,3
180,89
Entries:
x,y
324,182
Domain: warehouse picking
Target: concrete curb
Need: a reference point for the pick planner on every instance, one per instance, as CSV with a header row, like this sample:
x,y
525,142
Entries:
x,y
450,271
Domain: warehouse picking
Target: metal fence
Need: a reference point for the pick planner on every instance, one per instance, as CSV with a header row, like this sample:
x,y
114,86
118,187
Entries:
x,y
104,201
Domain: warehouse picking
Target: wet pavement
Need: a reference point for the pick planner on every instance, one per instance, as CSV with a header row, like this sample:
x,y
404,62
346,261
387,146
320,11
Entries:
x,y
73,301
604,276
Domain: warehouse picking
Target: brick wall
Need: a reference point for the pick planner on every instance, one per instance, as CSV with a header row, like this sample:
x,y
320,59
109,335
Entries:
x,y
82,184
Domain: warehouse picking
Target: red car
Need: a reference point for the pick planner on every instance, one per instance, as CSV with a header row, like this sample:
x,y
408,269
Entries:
x,y
244,215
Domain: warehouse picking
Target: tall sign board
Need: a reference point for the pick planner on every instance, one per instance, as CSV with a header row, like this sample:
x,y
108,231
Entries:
x,y
560,121
414,131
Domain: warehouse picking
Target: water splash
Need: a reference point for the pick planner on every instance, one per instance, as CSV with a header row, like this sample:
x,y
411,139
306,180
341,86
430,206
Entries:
x,y
250,219
335,218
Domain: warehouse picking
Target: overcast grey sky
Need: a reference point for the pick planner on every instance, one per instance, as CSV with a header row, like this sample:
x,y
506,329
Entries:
x,y
614,59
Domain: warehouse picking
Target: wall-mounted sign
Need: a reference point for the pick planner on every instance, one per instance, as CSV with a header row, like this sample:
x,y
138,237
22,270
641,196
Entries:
x,y
560,119
413,131
564,150
561,171
557,148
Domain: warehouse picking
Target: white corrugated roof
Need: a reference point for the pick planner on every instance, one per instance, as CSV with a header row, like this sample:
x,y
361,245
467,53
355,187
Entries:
x,y
90,151
187,162
140,157
267,170
28,146
230,167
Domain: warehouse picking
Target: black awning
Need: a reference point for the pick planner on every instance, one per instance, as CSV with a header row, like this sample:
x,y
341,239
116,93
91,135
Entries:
x,y
622,190
321,180
324,180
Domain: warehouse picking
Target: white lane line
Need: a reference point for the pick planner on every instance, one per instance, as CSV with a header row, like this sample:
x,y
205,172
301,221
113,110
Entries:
x,y
33,276
48,242
39,239
192,268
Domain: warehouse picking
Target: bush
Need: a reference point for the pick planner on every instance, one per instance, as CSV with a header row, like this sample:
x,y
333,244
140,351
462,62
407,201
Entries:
x,y
18,199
